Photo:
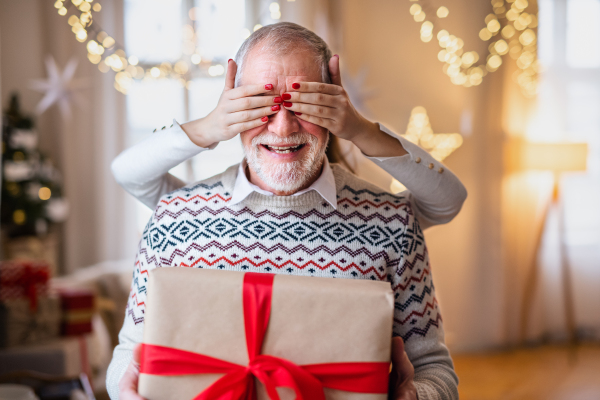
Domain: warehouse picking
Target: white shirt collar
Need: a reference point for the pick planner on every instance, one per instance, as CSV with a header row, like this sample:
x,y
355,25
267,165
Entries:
x,y
324,185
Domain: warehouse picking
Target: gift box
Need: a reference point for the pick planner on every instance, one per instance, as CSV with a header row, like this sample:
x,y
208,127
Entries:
x,y
78,307
212,334
24,279
20,325
28,313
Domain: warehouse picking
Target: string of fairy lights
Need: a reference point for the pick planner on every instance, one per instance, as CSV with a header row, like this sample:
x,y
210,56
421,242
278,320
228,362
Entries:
x,y
510,30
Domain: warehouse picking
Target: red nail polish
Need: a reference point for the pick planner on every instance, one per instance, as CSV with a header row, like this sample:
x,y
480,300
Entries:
x,y
277,100
295,86
229,60
264,119
297,113
276,107
335,55
287,96
287,104
268,86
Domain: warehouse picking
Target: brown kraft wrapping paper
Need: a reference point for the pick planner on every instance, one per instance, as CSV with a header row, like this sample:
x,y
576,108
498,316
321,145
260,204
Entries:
x,y
313,320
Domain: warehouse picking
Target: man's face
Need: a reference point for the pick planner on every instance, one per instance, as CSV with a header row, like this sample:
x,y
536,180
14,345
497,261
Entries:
x,y
286,153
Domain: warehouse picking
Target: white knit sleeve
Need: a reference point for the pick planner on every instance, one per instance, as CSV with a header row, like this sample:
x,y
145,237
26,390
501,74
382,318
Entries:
x,y
436,196
132,332
143,170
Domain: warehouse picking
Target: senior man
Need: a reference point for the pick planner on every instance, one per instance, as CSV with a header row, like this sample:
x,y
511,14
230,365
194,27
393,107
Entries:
x,y
285,209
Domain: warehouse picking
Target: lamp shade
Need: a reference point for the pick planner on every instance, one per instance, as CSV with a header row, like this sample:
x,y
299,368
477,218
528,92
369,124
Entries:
x,y
556,157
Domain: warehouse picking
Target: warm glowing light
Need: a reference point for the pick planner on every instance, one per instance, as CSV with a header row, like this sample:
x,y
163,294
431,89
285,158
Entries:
x,y
442,12
133,60
97,7
94,58
85,7
193,13
257,27
527,37
415,9
508,31
493,26
44,193
181,67
196,58
155,72
62,11
103,67
58,4
485,34
73,19
501,47
216,70
245,33
81,36
19,217
108,42
420,17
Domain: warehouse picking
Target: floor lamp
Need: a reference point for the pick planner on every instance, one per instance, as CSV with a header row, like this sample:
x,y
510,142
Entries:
x,y
557,158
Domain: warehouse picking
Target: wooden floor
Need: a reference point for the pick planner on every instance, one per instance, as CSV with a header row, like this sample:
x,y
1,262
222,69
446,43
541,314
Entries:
x,y
540,373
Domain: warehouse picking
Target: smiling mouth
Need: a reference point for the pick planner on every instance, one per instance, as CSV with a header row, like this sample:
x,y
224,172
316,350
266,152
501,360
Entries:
x,y
283,149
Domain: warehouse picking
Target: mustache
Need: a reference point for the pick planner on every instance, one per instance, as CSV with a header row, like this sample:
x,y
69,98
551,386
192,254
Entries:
x,y
298,138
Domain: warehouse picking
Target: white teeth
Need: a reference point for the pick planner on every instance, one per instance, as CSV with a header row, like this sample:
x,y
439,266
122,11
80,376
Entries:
x,y
283,148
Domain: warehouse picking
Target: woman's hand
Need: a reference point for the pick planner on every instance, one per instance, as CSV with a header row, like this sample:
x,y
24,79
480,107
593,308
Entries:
x,y
238,110
329,106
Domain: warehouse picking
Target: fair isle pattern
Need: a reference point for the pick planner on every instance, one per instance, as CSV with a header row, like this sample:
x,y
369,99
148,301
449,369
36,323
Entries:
x,y
372,235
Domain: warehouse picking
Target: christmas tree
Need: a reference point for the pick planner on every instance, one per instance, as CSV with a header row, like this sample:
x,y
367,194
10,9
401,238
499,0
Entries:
x,y
31,185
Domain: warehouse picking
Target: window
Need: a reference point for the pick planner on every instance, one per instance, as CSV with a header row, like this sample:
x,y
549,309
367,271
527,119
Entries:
x,y
569,107
167,31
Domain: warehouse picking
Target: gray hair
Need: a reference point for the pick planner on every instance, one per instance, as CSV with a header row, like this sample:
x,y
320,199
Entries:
x,y
279,39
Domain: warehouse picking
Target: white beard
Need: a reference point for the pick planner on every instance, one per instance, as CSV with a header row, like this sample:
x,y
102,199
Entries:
x,y
290,176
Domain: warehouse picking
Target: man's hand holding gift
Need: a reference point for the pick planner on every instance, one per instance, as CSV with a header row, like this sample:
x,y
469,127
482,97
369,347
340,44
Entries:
x,y
402,385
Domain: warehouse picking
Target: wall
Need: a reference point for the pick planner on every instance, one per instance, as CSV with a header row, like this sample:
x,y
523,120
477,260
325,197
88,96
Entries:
x,y
82,147
404,72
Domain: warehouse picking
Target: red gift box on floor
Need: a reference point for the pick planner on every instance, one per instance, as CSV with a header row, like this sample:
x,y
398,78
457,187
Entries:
x,y
28,314
217,335
78,307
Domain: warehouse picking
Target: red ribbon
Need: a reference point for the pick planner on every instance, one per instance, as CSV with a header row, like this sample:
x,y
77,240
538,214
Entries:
x,y
238,382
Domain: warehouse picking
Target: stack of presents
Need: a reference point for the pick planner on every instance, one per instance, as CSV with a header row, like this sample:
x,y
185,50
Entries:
x,y
32,313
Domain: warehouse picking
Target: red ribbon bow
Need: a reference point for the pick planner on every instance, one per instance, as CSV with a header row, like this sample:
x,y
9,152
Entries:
x,y
238,382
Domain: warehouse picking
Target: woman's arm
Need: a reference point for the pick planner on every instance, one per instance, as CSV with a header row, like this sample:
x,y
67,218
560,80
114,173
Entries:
x,y
436,193
143,170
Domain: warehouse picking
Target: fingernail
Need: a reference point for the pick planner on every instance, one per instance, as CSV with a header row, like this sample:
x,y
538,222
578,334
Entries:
x,y
335,55
287,96
229,60
297,113
264,119
268,86
276,107
277,100
295,86
287,104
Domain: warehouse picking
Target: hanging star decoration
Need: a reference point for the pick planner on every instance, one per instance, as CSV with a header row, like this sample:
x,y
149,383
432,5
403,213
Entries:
x,y
59,87
419,131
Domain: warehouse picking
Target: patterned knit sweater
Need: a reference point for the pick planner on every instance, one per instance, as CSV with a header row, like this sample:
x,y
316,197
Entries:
x,y
371,235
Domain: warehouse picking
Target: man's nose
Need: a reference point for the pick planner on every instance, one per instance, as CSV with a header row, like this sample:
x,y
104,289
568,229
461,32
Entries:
x,y
283,123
